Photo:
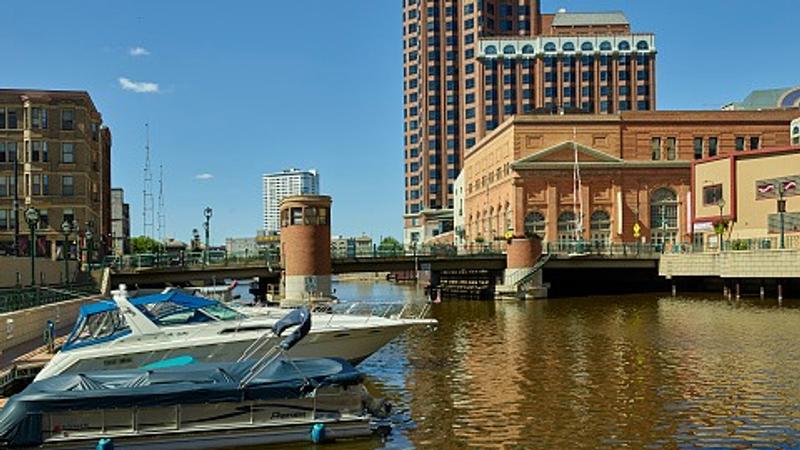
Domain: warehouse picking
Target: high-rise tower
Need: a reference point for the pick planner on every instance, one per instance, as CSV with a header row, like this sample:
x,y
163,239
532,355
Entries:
x,y
471,64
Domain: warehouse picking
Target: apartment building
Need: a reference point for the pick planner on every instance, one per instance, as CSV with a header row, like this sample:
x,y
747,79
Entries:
x,y
283,184
55,155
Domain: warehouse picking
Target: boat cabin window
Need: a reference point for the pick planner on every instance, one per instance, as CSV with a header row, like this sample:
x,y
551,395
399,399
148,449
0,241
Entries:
x,y
95,328
169,313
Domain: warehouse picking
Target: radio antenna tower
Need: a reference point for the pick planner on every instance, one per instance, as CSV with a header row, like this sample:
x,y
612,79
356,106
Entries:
x,y
162,218
147,191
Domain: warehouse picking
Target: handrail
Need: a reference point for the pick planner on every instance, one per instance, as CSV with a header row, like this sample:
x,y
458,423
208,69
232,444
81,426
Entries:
x,y
527,276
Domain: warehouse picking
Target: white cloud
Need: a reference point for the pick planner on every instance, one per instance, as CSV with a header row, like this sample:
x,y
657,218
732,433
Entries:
x,y
203,176
139,51
138,86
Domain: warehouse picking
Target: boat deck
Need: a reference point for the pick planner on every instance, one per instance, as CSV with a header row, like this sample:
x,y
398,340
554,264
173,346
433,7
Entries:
x,y
24,367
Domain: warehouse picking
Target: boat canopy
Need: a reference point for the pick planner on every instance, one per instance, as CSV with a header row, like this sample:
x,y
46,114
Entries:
x,y
21,418
103,321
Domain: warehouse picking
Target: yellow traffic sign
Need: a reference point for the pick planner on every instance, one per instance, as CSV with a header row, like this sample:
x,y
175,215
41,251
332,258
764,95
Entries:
x,y
636,229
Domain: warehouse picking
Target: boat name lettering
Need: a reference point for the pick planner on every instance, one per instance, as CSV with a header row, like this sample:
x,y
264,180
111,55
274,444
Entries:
x,y
117,361
291,415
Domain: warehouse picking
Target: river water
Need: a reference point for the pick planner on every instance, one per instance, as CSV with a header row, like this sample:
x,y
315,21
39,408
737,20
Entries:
x,y
639,371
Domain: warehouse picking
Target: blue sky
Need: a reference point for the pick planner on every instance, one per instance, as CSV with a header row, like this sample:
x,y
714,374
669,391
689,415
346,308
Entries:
x,y
245,88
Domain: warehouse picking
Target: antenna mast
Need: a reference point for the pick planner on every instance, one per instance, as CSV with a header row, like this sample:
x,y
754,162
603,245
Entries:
x,y
147,191
162,218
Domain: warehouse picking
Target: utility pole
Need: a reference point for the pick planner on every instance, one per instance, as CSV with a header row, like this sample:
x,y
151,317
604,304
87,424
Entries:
x,y
16,203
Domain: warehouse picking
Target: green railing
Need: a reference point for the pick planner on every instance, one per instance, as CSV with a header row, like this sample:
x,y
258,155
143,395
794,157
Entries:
x,y
610,250
22,298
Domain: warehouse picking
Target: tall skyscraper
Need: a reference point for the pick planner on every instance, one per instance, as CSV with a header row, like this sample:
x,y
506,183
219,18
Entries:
x,y
471,64
279,185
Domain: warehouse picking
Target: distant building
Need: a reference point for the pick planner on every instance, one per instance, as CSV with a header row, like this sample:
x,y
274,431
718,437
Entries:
x,y
62,152
242,247
120,223
279,185
350,247
780,98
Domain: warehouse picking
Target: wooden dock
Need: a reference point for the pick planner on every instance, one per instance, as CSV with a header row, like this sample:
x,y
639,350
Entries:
x,y
24,368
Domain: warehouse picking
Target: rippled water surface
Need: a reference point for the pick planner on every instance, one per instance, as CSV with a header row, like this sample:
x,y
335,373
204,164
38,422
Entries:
x,y
642,371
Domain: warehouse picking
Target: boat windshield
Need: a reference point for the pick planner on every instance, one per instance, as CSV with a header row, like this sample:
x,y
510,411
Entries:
x,y
169,313
94,327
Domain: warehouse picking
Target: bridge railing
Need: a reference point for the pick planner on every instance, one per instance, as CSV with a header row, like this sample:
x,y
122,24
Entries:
x,y
609,250
23,298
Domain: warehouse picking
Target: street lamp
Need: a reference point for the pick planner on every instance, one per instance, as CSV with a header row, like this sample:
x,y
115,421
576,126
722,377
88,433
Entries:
x,y
89,245
208,212
721,205
32,217
66,228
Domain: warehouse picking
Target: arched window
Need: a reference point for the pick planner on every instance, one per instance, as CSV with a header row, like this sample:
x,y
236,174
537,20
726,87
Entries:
x,y
509,50
528,50
490,50
550,47
600,226
624,46
535,224
566,226
664,216
642,45
796,131
605,46
587,47
791,99
568,47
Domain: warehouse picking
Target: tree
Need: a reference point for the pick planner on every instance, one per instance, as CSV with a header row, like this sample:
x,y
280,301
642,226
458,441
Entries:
x,y
145,244
390,245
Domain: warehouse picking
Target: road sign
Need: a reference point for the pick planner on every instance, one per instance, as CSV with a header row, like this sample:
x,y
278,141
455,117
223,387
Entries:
x,y
636,229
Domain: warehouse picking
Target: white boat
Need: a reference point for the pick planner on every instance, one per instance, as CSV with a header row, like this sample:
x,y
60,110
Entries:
x,y
177,328
264,398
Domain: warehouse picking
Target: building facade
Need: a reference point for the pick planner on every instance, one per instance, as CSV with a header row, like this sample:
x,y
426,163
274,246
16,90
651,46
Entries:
x,y
242,247
283,184
120,223
795,131
744,189
469,65
55,155
631,181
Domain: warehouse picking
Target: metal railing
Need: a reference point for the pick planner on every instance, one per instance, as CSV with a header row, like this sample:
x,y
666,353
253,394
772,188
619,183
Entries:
x,y
767,243
610,250
22,298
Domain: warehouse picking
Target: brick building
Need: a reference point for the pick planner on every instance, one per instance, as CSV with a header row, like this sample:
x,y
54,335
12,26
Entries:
x,y
62,153
469,65
634,168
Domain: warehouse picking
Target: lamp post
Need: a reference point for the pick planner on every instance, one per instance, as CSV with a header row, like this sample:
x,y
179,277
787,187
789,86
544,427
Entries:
x,y
781,211
721,205
89,246
66,228
208,212
32,217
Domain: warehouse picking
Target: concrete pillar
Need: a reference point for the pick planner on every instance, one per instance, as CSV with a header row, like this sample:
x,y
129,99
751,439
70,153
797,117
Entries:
x,y
306,248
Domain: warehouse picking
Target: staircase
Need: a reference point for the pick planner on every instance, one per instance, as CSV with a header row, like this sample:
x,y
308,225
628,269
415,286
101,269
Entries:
x,y
525,283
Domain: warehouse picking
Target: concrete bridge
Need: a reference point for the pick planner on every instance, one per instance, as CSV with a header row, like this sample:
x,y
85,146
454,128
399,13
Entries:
x,y
625,269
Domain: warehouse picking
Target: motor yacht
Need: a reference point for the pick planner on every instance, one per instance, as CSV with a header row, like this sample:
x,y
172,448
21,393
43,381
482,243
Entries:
x,y
265,397
177,328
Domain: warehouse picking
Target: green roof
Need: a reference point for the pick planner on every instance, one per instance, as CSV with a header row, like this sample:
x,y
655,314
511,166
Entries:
x,y
766,99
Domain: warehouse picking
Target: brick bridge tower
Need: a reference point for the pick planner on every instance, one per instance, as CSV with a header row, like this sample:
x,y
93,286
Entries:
x,y
306,248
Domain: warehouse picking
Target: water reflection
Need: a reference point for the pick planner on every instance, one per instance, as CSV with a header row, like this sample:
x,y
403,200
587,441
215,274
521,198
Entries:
x,y
602,372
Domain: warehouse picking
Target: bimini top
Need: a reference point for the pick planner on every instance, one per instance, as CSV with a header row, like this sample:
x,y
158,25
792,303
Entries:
x,y
103,321
20,419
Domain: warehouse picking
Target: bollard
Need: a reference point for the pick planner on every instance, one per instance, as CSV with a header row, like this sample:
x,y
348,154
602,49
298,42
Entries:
x,y
780,291
674,290
761,292
738,291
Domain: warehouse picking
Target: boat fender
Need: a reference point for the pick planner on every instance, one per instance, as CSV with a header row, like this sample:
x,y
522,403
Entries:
x,y
318,433
105,444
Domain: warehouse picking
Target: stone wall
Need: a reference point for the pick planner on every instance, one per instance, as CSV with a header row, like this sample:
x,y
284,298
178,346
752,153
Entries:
x,y
26,325
735,264
51,271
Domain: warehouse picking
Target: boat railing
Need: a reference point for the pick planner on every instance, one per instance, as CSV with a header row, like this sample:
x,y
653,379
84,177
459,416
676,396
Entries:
x,y
371,310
